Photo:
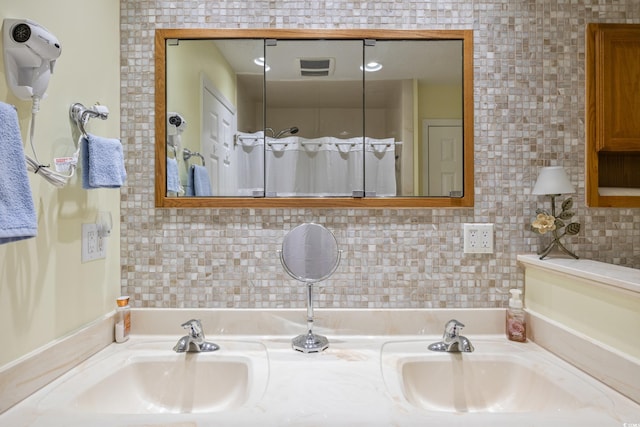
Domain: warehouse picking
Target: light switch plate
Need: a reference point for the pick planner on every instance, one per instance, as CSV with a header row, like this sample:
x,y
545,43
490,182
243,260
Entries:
x,y
478,238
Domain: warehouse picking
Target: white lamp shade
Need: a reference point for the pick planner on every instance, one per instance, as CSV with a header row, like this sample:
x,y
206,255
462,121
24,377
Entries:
x,y
553,180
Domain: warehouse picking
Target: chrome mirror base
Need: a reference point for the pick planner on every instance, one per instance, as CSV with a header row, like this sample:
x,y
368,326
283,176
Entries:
x,y
310,343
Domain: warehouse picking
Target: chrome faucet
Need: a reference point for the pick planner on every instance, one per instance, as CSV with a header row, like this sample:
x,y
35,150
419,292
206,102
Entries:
x,y
194,342
452,341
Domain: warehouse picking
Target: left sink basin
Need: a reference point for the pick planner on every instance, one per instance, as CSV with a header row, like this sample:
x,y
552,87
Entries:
x,y
169,384
146,378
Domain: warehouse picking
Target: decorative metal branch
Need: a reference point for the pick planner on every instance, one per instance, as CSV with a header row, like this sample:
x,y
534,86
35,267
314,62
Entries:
x,y
546,222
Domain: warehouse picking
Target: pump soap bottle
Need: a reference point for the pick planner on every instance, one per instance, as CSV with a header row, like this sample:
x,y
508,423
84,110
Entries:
x,y
516,326
123,319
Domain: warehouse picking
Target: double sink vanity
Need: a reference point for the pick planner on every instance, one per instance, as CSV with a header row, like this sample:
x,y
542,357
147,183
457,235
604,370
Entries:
x,y
377,371
370,367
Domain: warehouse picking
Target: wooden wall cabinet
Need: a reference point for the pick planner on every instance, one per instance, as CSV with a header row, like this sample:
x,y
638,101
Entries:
x,y
613,115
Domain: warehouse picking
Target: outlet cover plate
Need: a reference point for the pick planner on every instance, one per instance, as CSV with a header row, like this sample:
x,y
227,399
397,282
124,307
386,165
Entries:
x,y
478,238
94,246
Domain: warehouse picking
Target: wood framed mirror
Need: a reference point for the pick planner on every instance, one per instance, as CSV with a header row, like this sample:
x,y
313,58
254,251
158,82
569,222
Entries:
x,y
335,110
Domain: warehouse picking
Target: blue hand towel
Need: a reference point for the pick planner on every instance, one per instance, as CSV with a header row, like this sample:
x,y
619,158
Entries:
x,y
201,182
102,163
18,219
173,181
188,190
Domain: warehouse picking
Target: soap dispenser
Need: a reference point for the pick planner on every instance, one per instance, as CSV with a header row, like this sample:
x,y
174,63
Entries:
x,y
516,325
122,319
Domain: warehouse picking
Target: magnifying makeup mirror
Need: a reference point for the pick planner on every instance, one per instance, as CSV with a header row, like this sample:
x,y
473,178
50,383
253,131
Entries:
x,y
310,254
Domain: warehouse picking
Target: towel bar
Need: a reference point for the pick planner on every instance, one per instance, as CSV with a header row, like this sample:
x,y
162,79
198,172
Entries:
x,y
187,154
81,115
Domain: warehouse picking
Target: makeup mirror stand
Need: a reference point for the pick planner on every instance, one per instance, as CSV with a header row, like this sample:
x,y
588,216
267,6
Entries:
x,y
310,254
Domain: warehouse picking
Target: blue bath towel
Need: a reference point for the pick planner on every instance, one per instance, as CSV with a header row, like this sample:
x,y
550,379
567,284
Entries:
x,y
201,182
18,219
173,180
102,163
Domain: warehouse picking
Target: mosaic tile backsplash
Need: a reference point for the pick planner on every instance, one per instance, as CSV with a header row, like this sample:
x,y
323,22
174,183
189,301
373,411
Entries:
x,y
529,112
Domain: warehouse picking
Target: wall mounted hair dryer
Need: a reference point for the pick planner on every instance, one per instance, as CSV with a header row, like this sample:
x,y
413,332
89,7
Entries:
x,y
30,53
176,124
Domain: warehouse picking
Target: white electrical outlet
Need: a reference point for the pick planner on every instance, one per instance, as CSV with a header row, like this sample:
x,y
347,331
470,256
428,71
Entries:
x,y
94,246
478,238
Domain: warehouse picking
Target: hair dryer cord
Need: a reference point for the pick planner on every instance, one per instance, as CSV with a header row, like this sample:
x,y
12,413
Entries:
x,y
34,165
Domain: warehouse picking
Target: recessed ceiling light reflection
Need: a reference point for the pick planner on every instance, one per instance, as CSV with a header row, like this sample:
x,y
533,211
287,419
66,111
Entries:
x,y
260,63
371,67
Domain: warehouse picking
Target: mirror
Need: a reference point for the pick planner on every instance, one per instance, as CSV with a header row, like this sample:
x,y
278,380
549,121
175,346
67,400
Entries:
x,y
287,118
310,254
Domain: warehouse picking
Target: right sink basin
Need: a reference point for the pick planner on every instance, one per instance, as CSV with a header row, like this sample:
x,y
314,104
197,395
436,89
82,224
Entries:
x,y
476,384
498,377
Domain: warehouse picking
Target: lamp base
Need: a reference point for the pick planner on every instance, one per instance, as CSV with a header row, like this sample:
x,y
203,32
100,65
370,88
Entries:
x,y
556,243
570,229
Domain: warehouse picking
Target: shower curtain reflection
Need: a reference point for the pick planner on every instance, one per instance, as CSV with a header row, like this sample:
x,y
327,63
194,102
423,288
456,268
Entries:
x,y
250,164
330,167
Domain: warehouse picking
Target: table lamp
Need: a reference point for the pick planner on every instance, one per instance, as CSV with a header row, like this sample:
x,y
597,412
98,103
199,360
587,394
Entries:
x,y
553,181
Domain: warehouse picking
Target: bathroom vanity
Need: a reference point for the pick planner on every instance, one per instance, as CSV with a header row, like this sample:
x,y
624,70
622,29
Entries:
x,y
579,367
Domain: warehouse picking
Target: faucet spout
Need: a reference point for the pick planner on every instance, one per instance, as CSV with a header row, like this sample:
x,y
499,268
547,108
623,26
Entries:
x,y
452,341
195,341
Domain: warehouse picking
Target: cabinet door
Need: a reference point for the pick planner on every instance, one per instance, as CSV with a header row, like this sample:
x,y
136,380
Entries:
x,y
612,74
618,88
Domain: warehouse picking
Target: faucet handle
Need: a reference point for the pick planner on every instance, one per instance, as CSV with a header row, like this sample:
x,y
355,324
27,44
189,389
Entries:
x,y
452,329
194,326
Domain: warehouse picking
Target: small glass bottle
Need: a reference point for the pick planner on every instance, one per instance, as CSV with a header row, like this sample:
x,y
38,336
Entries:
x,y
516,324
123,319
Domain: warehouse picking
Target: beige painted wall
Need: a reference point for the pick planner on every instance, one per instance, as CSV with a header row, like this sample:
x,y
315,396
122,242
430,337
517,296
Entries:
x,y
45,290
440,102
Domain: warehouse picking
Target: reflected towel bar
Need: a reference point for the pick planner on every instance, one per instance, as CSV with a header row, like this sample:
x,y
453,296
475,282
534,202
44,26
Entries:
x,y
187,154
